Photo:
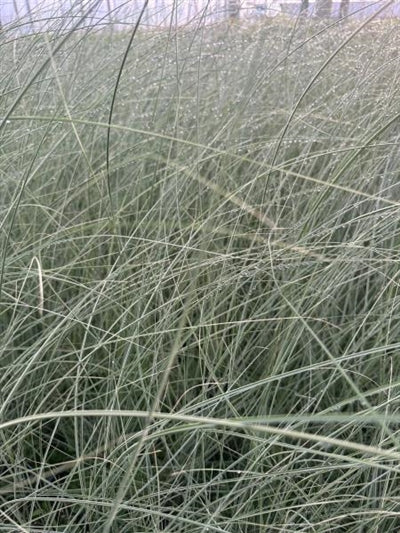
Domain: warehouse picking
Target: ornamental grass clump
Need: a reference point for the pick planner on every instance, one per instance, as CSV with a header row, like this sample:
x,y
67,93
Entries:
x,y
199,277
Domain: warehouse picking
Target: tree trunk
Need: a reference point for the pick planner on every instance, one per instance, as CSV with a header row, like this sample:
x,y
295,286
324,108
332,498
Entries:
x,y
344,8
323,9
305,4
233,9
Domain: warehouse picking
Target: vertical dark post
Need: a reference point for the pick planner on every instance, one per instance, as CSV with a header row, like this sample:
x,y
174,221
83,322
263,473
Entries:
x,y
110,17
29,13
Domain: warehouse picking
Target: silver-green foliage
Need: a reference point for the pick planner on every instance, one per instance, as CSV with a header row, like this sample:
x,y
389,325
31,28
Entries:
x,y
205,337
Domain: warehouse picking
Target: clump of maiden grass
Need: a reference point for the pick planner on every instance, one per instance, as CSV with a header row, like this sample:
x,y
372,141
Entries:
x,y
199,290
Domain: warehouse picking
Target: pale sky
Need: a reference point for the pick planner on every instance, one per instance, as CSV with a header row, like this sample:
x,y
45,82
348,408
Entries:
x,y
157,10
157,13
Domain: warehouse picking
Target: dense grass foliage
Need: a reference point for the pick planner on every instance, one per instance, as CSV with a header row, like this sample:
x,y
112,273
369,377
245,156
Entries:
x,y
199,311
